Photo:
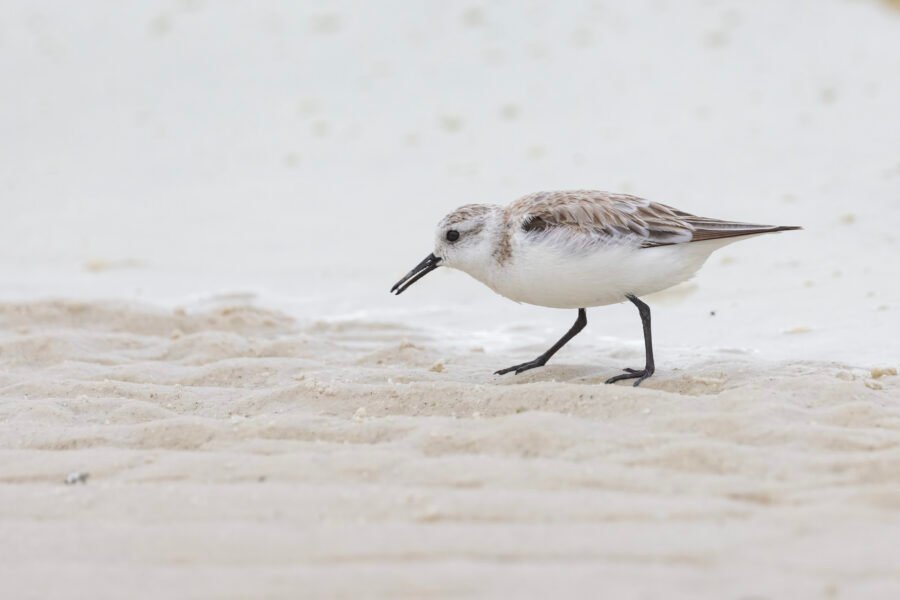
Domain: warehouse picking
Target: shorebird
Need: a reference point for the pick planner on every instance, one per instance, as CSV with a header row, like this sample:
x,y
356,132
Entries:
x,y
579,249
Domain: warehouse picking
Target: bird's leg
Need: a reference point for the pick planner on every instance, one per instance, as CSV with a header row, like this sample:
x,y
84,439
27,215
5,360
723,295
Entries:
x,y
541,360
649,367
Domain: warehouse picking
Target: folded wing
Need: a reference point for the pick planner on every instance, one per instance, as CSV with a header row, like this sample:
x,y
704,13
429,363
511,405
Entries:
x,y
621,217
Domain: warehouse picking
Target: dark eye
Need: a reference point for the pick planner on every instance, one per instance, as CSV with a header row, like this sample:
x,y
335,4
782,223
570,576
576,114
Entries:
x,y
452,235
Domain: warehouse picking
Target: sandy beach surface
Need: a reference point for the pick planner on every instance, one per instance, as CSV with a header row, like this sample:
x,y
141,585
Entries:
x,y
207,392
233,452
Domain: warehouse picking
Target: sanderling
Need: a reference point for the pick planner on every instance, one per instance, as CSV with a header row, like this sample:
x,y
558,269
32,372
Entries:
x,y
578,249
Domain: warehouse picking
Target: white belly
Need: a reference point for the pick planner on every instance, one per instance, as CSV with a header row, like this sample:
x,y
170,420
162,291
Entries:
x,y
554,276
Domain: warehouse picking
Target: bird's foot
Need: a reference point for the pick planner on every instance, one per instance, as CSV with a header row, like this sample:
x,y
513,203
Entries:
x,y
531,364
639,374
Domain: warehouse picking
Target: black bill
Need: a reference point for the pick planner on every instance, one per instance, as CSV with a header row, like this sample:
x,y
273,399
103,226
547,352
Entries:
x,y
422,269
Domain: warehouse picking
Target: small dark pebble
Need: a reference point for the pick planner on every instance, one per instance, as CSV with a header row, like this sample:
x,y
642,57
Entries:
x,y
76,477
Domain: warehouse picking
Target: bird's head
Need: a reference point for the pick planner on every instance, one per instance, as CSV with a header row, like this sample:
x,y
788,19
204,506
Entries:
x,y
466,239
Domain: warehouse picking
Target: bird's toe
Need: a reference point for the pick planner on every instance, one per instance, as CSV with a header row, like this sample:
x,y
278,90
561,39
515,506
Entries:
x,y
639,374
516,369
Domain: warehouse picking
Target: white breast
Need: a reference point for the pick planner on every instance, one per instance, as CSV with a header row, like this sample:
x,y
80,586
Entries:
x,y
549,272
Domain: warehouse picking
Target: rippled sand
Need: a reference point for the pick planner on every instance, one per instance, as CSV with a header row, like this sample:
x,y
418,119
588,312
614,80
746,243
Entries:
x,y
234,452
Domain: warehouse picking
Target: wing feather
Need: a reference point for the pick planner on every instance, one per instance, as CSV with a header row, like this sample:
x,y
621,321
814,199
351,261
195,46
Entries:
x,y
621,217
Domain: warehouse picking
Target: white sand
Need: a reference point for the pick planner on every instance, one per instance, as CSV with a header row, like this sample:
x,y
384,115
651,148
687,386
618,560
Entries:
x,y
233,453
204,205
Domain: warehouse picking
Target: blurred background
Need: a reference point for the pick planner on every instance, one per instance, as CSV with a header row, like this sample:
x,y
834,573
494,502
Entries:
x,y
300,153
